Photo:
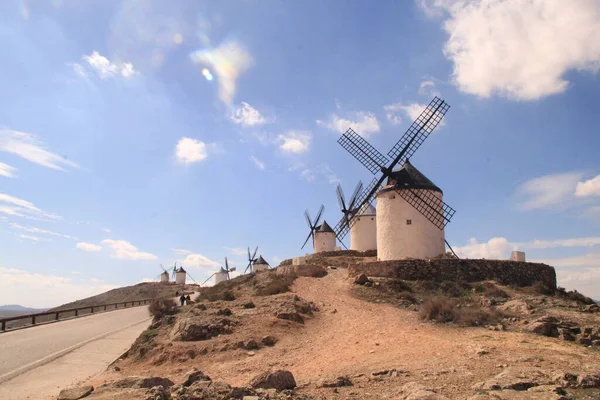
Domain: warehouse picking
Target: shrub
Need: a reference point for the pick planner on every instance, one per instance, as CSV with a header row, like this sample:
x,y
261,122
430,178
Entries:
x,y
574,295
439,309
543,288
398,285
474,316
228,296
491,290
277,283
427,286
158,308
407,296
454,288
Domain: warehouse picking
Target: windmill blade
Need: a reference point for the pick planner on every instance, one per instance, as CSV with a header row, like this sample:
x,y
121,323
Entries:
x,y
249,258
342,228
306,241
254,255
163,268
432,208
208,279
319,214
226,265
360,149
308,221
340,197
419,130
357,191
248,267
367,195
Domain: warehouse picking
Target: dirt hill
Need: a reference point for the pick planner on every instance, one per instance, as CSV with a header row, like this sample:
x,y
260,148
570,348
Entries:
x,y
374,339
141,291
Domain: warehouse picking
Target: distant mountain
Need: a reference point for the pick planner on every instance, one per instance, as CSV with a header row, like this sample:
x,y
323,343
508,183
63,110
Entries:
x,y
13,310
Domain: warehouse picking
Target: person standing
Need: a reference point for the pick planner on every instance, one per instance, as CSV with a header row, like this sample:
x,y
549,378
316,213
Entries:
x,y
182,300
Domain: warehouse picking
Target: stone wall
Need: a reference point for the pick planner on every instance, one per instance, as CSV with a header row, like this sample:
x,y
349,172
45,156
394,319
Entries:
x,y
504,272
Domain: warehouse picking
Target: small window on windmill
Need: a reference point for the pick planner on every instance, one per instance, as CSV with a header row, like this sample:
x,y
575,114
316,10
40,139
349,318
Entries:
x,y
409,222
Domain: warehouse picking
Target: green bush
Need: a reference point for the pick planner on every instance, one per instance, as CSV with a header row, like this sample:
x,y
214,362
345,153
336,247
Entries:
x,y
228,296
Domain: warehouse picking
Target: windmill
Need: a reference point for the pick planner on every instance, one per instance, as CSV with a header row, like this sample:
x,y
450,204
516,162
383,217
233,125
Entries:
x,y
251,259
222,274
313,226
349,210
164,276
411,185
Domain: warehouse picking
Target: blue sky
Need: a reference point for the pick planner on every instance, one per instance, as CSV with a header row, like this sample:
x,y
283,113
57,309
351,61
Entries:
x,y
134,134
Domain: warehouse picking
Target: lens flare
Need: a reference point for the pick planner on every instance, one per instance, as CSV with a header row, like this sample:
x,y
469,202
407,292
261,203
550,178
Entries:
x,y
207,74
178,38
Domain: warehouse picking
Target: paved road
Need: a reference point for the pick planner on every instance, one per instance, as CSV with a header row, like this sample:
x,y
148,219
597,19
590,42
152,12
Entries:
x,y
19,349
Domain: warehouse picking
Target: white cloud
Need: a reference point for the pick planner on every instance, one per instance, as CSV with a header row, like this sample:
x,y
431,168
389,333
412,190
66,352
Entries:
x,y
88,246
106,230
76,272
549,191
103,67
318,174
27,146
574,261
42,291
259,164
577,242
428,88
294,141
30,237
411,110
518,49
237,251
228,61
124,250
362,122
590,187
495,248
246,115
190,150
17,207
7,171
199,261
586,280
39,231
181,251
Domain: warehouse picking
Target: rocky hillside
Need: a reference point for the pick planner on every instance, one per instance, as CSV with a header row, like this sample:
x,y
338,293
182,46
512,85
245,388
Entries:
x,y
312,332
141,291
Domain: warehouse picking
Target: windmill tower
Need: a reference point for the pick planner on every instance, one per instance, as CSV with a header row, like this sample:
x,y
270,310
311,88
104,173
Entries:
x,y
408,195
180,276
260,264
324,239
363,232
223,273
164,276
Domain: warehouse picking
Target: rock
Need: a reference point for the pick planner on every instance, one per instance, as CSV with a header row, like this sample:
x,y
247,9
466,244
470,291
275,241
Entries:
x,y
361,279
224,311
545,326
368,284
482,350
200,306
415,391
140,382
75,393
514,379
591,308
588,381
249,305
195,328
193,376
251,345
565,334
278,380
290,316
340,381
586,341
565,379
269,340
158,393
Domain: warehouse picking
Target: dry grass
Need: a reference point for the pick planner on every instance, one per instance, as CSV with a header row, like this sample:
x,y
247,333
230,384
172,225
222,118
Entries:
x,y
574,295
444,309
161,307
277,283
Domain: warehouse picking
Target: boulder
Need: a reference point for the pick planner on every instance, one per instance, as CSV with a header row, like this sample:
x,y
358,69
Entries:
x,y
588,381
515,379
249,305
251,345
75,393
545,326
194,376
591,308
195,328
140,382
269,340
278,380
416,391
361,279
290,316
340,381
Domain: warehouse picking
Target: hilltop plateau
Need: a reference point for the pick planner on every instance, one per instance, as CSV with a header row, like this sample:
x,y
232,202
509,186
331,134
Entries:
x,y
314,332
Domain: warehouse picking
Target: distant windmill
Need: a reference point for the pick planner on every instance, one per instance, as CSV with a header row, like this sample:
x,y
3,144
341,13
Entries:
x,y
251,260
164,276
260,264
313,226
408,199
222,274
348,210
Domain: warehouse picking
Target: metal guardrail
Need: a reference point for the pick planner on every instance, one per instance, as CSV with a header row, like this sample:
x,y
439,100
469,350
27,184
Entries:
x,y
56,315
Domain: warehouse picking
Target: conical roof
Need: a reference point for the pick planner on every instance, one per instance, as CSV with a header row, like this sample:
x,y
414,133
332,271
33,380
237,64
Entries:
x,y
261,260
408,177
180,270
324,227
366,209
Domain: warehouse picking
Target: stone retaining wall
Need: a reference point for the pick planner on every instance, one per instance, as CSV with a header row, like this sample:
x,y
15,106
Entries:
x,y
504,272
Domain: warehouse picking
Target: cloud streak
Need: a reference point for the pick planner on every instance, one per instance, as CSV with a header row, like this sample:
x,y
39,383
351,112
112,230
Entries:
x,y
124,250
